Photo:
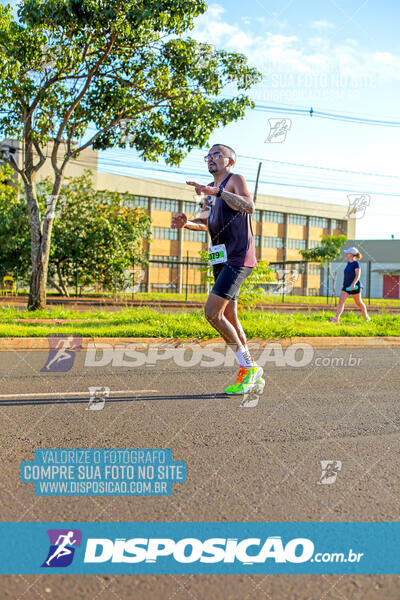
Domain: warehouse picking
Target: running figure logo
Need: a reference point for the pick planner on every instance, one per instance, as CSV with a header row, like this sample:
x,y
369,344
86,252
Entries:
x,y
62,547
62,353
98,397
286,280
357,205
278,130
330,470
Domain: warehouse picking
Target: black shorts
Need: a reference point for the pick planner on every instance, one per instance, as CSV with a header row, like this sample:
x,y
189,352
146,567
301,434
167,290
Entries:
x,y
352,293
228,280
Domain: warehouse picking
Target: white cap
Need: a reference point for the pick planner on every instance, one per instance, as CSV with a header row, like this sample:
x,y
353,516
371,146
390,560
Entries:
x,y
351,251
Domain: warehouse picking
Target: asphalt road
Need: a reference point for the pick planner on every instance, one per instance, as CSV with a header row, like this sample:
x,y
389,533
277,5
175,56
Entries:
x,y
259,463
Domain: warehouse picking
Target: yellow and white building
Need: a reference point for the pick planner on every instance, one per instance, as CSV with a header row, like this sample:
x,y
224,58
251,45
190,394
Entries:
x,y
282,226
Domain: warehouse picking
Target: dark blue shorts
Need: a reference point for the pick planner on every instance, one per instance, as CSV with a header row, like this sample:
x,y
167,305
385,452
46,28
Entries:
x,y
228,280
352,293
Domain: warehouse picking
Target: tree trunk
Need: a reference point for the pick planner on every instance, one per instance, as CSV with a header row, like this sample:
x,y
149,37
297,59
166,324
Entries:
x,y
61,280
40,243
55,284
37,291
333,277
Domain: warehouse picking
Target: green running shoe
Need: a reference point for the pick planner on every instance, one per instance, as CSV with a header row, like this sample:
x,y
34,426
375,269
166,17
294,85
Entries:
x,y
246,379
259,385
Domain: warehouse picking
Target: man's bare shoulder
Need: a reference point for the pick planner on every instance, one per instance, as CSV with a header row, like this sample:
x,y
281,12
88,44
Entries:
x,y
236,182
236,177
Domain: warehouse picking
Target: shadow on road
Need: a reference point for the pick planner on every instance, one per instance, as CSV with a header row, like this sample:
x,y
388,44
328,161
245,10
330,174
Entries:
x,y
48,401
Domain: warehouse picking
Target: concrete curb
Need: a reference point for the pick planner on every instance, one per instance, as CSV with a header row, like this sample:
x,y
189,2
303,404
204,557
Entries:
x,y
41,343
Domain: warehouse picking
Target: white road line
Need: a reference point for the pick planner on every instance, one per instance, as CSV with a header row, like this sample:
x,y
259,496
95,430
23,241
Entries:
x,y
62,394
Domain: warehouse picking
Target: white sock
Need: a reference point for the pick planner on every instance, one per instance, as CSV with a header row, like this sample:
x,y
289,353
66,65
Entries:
x,y
244,358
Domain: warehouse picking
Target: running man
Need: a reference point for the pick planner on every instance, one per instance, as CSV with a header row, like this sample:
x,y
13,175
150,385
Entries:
x,y
227,211
62,353
352,285
62,549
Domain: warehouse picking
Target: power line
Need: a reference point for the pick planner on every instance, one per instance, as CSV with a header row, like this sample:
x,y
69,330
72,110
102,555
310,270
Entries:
x,y
298,183
325,115
300,165
349,189
282,162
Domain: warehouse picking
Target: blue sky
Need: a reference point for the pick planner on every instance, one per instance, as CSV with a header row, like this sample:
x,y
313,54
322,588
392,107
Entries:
x,y
340,56
336,56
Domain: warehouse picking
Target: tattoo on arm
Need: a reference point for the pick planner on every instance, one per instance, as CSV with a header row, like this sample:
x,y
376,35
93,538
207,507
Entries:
x,y
196,225
237,202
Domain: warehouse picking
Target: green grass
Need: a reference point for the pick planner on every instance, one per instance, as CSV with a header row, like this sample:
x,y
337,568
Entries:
x,y
268,299
146,322
203,297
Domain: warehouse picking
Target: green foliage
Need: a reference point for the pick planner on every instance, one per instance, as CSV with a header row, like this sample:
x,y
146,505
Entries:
x,y
251,291
14,227
328,252
71,63
206,269
97,232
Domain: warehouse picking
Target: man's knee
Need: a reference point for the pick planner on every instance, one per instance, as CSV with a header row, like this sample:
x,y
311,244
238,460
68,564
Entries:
x,y
231,315
212,315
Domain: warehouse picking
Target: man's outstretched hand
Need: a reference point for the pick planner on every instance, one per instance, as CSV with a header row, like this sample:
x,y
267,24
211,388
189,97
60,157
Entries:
x,y
179,221
203,189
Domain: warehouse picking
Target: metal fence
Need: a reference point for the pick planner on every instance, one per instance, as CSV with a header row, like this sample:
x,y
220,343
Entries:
x,y
170,275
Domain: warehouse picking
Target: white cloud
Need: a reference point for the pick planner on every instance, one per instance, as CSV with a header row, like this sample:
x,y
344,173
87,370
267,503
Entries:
x,y
321,25
385,57
276,52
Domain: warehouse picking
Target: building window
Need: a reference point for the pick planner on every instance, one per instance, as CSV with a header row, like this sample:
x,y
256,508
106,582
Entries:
x,y
161,260
339,225
193,260
273,217
190,208
314,269
140,287
314,244
194,236
296,244
140,201
273,242
299,267
313,291
165,204
257,241
257,215
165,233
195,289
319,222
298,219
166,287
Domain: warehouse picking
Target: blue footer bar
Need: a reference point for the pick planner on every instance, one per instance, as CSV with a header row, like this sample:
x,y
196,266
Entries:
x,y
218,548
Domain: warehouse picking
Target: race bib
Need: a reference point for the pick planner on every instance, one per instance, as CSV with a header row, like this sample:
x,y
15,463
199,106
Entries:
x,y
217,254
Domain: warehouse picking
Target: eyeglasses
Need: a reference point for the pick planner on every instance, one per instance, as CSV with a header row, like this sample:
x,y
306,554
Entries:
x,y
213,155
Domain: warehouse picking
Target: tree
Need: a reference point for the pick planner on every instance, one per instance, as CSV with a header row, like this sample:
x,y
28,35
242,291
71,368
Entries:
x,y
87,73
327,253
251,290
98,232
14,227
